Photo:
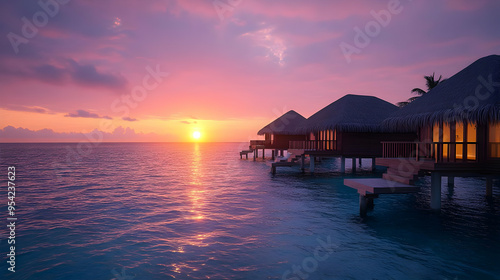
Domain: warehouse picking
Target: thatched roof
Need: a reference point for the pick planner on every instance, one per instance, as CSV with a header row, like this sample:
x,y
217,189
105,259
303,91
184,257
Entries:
x,y
354,113
468,95
286,124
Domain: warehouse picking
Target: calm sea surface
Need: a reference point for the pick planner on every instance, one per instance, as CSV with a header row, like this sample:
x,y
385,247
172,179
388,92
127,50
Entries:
x,y
196,211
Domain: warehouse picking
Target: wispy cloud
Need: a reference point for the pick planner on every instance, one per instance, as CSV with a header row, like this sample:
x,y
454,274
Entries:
x,y
22,108
86,114
66,72
274,45
129,119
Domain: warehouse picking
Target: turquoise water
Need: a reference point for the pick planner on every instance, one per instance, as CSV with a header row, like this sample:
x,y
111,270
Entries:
x,y
196,211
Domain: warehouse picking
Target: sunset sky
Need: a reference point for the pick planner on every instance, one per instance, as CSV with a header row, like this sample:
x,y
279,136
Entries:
x,y
161,70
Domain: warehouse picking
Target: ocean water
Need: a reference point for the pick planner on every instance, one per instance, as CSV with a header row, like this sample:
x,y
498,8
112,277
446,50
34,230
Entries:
x,y
197,211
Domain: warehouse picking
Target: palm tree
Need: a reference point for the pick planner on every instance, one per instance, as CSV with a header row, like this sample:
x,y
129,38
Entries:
x,y
431,83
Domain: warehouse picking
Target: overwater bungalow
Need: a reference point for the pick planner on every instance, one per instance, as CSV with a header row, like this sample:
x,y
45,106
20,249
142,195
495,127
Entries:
x,y
458,125
348,128
277,135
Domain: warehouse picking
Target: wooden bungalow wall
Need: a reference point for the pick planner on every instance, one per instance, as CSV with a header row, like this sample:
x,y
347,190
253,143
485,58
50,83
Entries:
x,y
281,141
368,144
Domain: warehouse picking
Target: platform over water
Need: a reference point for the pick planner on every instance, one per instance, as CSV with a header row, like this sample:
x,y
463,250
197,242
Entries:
x,y
379,186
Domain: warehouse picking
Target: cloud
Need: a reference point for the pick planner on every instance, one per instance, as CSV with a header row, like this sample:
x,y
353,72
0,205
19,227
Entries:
x,y
274,45
50,73
63,72
89,75
464,5
86,114
22,108
185,122
129,119
289,9
12,134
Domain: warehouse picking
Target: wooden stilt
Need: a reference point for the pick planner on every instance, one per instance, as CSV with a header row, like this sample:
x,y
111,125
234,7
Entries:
x,y
435,191
489,186
302,162
359,161
366,203
373,164
451,181
255,154
342,165
281,153
353,165
272,154
363,205
311,164
263,153
370,204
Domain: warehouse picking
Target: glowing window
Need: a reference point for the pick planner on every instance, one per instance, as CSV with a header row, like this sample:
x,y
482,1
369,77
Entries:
x,y
494,140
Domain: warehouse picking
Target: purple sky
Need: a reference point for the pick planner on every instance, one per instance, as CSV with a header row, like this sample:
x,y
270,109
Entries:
x,y
233,66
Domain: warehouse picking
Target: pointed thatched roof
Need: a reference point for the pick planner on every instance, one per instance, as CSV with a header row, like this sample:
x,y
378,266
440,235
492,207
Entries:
x,y
286,124
472,94
354,113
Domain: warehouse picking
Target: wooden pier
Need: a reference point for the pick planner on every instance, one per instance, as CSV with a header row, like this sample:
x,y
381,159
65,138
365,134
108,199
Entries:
x,y
245,153
369,189
280,164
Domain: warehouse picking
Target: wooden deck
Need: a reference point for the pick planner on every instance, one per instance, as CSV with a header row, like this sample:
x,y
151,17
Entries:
x,y
370,189
379,186
462,169
245,153
274,165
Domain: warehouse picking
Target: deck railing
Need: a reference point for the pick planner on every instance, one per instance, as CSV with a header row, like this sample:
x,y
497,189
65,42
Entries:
x,y
314,145
439,151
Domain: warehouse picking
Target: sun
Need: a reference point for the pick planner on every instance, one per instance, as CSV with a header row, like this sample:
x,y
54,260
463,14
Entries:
x,y
196,135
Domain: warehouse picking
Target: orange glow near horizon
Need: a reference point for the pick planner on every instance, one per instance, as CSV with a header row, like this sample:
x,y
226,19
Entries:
x,y
147,129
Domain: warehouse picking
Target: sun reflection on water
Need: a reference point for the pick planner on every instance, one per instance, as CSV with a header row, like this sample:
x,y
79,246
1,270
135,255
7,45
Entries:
x,y
196,193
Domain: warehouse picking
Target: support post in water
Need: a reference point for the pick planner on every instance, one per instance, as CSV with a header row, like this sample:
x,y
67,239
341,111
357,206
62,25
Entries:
x,y
489,186
311,164
435,191
342,165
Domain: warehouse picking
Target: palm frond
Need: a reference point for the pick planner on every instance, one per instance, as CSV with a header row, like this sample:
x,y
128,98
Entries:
x,y
418,91
402,104
411,99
